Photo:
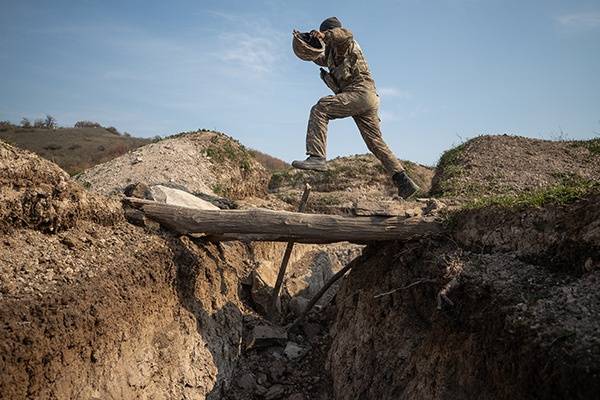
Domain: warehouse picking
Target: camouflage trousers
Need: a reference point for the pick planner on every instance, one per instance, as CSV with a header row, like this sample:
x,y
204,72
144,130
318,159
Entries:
x,y
362,106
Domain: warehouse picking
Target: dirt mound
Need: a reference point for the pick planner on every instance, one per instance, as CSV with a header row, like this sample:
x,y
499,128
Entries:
x,y
497,312
347,180
93,307
38,194
505,165
206,162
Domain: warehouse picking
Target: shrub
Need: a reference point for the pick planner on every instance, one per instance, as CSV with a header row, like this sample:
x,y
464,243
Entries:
x,y
5,125
39,123
87,124
113,130
25,123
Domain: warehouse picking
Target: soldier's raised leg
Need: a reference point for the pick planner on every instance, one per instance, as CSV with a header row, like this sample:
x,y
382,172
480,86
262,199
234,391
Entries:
x,y
369,126
327,108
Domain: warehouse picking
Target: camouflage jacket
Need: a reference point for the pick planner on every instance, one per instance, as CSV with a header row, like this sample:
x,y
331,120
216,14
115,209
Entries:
x,y
345,61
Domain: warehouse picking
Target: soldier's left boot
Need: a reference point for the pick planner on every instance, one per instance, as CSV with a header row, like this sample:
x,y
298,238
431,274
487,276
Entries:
x,y
406,186
314,163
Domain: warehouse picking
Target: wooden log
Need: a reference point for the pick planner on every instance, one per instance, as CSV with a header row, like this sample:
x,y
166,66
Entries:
x,y
286,225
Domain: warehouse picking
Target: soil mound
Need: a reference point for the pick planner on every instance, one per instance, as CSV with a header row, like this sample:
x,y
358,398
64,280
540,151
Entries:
x,y
201,162
506,165
37,194
347,180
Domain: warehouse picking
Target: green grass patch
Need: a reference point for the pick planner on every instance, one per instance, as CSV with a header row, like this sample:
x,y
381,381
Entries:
x,y
563,193
450,168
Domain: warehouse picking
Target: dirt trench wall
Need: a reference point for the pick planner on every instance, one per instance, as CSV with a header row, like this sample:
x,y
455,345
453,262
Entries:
x,y
513,333
521,321
113,312
163,321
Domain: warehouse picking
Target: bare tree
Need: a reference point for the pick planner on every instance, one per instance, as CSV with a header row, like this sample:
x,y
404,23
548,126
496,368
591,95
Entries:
x,y
39,123
50,122
25,123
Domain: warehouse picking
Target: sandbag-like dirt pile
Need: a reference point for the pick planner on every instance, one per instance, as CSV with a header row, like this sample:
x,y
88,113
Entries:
x,y
39,195
500,165
506,310
201,162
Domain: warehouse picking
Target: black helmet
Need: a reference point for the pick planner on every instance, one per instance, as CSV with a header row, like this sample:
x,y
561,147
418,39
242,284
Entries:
x,y
330,23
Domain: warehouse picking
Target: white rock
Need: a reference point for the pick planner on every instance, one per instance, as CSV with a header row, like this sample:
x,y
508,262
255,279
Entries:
x,y
180,198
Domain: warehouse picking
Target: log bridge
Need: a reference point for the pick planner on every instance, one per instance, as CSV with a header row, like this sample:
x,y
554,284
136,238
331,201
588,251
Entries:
x,y
283,226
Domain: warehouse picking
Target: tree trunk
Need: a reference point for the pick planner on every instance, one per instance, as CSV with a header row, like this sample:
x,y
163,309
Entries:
x,y
262,224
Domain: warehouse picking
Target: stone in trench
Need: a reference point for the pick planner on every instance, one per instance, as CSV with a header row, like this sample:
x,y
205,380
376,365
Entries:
x,y
298,305
138,190
263,282
261,378
260,390
277,370
311,330
307,276
275,392
246,381
265,335
293,351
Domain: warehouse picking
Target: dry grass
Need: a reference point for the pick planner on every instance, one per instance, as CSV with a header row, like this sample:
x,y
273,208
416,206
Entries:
x,y
73,149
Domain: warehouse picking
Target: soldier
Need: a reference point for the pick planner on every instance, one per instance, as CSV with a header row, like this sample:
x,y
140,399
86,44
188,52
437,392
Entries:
x,y
355,96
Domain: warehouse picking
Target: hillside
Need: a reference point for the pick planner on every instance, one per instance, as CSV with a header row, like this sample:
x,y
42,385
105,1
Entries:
x,y
73,149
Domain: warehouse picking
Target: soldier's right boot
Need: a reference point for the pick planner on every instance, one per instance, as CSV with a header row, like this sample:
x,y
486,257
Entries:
x,y
406,186
314,163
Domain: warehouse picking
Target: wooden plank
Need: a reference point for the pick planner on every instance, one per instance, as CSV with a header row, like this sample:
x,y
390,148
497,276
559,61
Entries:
x,y
285,225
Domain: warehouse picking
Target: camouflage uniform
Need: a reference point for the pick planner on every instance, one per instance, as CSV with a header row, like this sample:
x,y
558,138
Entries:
x,y
355,96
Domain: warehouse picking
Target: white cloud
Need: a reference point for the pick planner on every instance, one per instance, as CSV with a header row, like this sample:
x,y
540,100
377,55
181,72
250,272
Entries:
x,y
250,46
389,91
584,20
254,54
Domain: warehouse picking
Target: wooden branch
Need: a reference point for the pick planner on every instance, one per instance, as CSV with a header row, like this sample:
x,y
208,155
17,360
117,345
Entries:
x,y
405,287
286,225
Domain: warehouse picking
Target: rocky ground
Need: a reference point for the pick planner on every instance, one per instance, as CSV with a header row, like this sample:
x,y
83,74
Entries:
x,y
502,304
346,181
200,162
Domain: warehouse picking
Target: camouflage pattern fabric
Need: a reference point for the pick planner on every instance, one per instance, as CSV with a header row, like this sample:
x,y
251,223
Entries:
x,y
356,97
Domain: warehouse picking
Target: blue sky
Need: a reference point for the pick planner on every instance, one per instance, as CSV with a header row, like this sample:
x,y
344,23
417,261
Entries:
x,y
446,70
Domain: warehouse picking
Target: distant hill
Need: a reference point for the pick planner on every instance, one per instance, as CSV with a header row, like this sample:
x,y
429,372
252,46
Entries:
x,y
73,149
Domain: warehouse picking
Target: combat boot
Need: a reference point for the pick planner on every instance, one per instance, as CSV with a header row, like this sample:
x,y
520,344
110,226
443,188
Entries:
x,y
314,163
406,186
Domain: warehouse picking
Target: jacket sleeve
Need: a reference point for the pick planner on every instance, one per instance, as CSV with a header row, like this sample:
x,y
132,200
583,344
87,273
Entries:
x,y
321,60
340,39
